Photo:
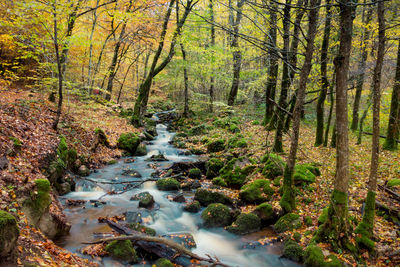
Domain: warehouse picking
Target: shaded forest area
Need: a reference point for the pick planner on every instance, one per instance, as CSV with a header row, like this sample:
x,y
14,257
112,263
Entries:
x,y
290,108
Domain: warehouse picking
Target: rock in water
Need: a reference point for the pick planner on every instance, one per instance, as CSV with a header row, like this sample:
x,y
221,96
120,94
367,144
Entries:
x,y
179,198
132,173
146,200
83,170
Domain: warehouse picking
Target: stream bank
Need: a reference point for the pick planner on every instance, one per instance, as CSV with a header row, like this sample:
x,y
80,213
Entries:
x,y
166,217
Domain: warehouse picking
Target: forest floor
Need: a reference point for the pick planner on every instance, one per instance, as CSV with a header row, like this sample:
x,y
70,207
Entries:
x,y
28,116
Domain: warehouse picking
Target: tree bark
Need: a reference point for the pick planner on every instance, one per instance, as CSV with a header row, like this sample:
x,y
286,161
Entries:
x,y
335,229
59,68
277,122
270,90
186,83
361,67
394,116
288,202
366,227
212,78
319,136
237,54
328,123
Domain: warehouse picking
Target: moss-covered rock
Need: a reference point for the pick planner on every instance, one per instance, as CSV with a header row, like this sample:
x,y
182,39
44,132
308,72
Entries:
x,y
333,261
215,146
141,150
143,229
128,142
9,233
213,167
293,251
207,197
219,182
146,200
245,223
164,263
168,184
102,137
393,182
237,141
256,192
192,207
308,221
305,173
40,200
287,222
195,173
198,130
313,257
273,165
122,249
233,128
323,217
236,171
265,212
216,215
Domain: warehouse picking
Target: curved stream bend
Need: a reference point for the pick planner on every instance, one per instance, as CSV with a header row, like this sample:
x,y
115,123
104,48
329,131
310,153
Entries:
x,y
169,218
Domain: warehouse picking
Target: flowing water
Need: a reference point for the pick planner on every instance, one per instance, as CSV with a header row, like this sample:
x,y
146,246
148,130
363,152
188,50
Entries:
x,y
167,218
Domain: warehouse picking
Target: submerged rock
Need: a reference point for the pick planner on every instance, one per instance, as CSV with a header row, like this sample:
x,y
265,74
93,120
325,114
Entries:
x,y
184,239
133,217
132,173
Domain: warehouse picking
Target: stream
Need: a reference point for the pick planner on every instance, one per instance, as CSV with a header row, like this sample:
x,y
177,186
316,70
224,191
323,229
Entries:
x,y
168,216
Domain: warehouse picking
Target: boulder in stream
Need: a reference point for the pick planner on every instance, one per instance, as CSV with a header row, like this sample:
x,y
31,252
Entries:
x,y
146,200
245,223
83,170
187,186
192,207
179,198
216,215
133,217
158,157
168,184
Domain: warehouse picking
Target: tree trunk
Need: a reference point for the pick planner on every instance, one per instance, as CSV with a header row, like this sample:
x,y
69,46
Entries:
x,y
365,228
273,65
186,83
328,123
91,47
361,68
59,69
394,117
277,122
319,136
212,79
237,54
288,202
335,229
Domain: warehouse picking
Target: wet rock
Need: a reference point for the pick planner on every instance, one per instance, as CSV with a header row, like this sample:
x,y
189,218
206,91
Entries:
x,y
83,170
75,202
216,215
128,142
8,234
184,239
266,213
206,197
162,262
159,157
131,172
245,223
192,207
179,198
122,249
129,160
133,217
195,173
146,200
141,150
168,184
97,203
64,189
3,162
141,228
187,186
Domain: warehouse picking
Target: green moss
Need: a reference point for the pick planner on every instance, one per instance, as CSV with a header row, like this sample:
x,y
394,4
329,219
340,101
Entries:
x,y
41,200
213,167
333,261
206,197
192,206
256,192
293,251
16,142
219,181
168,184
255,122
143,229
277,181
302,174
198,130
128,142
216,215
245,223
112,162
323,217
339,197
393,182
287,222
163,263
8,233
102,137
195,173
365,228
365,242
313,256
297,236
265,212
308,221
233,128
141,150
237,141
122,249
216,146
274,165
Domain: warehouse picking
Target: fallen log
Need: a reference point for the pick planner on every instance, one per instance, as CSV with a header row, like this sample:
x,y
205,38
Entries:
x,y
162,247
393,194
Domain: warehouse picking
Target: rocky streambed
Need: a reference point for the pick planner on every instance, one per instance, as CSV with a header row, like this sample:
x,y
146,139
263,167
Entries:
x,y
131,194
